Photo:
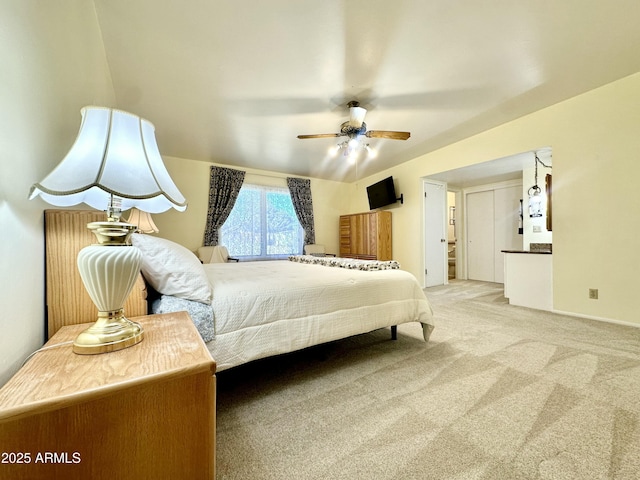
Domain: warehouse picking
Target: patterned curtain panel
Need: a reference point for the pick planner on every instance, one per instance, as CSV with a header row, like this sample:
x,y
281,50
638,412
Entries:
x,y
300,190
224,187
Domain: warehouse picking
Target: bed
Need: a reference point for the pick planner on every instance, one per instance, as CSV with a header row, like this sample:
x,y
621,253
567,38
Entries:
x,y
250,310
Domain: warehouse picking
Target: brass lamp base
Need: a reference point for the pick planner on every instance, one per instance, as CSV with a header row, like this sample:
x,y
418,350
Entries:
x,y
112,331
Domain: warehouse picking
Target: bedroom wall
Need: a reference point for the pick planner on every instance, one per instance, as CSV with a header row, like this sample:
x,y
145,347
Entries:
x,y
53,64
192,177
596,225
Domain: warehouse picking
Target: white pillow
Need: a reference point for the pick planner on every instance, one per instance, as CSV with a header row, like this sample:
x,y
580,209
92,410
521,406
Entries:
x,y
172,269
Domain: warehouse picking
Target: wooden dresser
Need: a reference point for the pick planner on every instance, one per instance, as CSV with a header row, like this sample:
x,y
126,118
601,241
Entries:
x,y
147,411
366,236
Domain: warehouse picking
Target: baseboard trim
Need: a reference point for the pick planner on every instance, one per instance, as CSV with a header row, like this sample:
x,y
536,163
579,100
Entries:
x,y
599,319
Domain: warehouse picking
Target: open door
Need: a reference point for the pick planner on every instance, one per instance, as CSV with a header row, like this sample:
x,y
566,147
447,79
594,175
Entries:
x,y
435,233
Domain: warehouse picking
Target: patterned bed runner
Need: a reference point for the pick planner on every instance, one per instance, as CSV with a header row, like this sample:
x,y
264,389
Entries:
x,y
350,263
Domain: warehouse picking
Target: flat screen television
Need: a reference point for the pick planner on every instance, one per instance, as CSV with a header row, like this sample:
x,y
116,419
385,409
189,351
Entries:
x,y
381,193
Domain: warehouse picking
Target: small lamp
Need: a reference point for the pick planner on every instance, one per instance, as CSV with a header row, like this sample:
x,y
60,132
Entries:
x,y
535,201
114,164
535,197
143,221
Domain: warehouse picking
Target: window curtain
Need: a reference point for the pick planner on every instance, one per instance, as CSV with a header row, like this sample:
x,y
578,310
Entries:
x,y
300,190
224,186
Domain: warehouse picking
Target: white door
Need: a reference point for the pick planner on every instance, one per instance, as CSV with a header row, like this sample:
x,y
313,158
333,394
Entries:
x,y
480,236
435,233
507,216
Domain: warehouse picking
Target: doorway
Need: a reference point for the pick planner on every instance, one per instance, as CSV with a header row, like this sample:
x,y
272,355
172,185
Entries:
x,y
452,235
498,173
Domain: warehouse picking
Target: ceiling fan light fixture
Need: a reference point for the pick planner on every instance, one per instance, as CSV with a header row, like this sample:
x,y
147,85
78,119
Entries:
x,y
353,129
356,116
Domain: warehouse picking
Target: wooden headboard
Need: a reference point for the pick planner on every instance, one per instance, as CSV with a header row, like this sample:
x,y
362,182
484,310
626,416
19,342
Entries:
x,y
67,301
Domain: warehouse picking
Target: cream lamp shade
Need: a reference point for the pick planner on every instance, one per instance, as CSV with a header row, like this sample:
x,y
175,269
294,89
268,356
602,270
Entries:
x,y
113,165
116,154
143,221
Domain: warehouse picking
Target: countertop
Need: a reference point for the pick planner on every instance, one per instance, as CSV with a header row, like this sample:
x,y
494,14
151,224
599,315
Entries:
x,y
537,248
536,252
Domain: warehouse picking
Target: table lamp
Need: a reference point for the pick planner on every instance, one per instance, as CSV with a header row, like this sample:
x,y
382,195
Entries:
x,y
114,165
143,221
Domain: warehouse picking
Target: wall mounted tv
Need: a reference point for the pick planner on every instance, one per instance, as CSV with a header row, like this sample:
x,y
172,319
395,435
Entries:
x,y
381,193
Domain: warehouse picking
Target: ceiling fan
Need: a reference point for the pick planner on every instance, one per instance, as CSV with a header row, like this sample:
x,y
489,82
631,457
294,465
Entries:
x,y
356,127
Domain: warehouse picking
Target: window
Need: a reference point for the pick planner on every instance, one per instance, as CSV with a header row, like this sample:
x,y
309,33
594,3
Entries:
x,y
262,225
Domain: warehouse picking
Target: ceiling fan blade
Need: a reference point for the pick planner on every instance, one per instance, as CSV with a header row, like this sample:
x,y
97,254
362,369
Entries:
x,y
387,134
321,135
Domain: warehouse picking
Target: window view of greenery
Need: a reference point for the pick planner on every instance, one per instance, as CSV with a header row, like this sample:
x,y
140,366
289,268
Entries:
x,y
262,224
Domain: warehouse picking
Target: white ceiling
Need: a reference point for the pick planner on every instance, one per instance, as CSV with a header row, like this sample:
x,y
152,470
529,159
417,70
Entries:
x,y
494,171
235,82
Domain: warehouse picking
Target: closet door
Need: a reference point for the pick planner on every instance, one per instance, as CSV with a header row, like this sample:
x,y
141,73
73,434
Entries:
x,y
507,213
480,236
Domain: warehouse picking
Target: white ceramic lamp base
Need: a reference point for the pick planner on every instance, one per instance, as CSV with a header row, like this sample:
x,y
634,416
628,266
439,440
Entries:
x,y
109,273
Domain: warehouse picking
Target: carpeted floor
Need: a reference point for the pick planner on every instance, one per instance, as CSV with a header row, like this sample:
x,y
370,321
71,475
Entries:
x,y
499,392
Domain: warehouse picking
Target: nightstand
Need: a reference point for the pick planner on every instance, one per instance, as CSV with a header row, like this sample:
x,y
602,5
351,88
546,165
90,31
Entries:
x,y
145,412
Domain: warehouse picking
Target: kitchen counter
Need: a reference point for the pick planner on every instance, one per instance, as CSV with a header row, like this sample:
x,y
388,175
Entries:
x,y
535,252
528,278
535,248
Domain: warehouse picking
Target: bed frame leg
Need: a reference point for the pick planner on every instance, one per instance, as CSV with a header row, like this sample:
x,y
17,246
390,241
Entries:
x,y
394,332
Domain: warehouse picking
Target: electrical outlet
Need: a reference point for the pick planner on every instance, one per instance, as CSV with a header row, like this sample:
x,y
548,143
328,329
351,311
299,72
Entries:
x,y
593,293
537,229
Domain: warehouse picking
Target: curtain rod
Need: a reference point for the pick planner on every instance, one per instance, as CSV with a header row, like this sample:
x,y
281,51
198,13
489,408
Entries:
x,y
284,176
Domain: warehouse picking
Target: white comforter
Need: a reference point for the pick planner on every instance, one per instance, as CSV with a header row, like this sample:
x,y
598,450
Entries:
x,y
267,308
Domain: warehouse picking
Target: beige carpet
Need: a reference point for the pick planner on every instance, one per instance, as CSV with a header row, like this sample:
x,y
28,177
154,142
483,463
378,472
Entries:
x,y
500,392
